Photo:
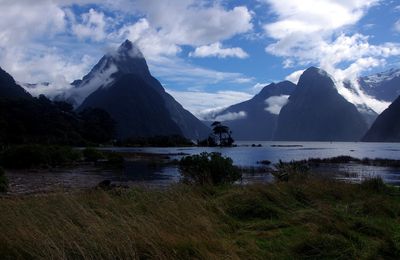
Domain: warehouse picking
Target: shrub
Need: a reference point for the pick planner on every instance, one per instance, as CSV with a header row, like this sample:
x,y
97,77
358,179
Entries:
x,y
92,154
208,168
3,181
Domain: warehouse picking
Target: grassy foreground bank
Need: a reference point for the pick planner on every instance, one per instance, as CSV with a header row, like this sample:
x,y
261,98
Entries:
x,y
309,219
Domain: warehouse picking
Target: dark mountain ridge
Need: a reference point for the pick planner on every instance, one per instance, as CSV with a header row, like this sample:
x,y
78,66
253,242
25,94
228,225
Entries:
x,y
386,127
137,100
10,89
317,112
257,123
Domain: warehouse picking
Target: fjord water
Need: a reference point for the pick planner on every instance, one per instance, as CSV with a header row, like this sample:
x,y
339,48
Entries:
x,y
246,155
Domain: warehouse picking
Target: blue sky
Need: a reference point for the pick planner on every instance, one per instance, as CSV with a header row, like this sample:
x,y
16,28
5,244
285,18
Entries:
x,y
208,54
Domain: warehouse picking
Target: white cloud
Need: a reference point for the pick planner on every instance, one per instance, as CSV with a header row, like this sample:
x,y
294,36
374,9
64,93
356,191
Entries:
x,y
199,103
179,71
102,79
275,103
167,25
148,39
312,32
258,87
25,20
56,83
93,26
46,47
368,26
360,99
295,76
243,80
44,65
216,50
311,16
230,116
192,22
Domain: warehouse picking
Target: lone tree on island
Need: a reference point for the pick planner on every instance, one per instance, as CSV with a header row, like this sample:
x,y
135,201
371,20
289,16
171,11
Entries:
x,y
224,134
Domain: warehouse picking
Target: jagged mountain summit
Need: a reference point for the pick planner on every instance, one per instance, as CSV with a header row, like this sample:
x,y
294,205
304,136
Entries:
x,y
122,84
9,88
317,112
127,59
386,128
256,119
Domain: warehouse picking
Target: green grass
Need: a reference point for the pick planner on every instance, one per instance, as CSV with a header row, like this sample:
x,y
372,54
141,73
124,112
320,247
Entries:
x,y
310,219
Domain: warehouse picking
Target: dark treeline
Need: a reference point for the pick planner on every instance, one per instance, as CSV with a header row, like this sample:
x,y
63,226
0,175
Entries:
x,y
42,121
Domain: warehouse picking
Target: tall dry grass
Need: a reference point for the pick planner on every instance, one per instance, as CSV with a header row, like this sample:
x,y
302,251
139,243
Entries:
x,y
106,225
310,219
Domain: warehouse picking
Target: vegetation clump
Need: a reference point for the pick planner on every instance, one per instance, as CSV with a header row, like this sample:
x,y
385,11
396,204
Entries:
x,y
349,159
288,171
208,169
28,156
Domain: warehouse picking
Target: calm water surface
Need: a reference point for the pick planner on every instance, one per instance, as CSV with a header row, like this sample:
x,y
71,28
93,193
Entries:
x,y
247,156
148,171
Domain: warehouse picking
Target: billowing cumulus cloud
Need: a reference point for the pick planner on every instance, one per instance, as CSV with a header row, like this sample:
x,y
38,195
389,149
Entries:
x,y
160,28
39,18
93,26
314,33
191,22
